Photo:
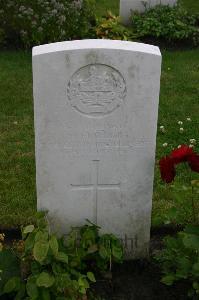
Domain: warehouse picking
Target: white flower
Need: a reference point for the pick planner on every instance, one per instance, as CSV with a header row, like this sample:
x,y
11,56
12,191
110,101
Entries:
x,y
191,146
165,144
188,119
21,8
180,122
15,122
181,129
34,23
23,32
162,128
54,12
179,146
192,141
62,19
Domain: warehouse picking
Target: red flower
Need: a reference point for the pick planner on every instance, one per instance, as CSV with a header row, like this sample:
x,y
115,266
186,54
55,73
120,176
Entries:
x,y
181,154
193,161
167,169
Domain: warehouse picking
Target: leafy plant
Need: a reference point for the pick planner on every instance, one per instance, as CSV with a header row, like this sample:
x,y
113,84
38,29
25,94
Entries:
x,y
27,23
180,259
111,28
170,24
60,268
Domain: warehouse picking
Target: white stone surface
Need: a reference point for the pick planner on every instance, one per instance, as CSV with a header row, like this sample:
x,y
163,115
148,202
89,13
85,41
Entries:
x,y
127,6
96,108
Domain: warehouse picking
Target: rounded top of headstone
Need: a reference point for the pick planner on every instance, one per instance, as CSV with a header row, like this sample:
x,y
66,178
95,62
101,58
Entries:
x,y
96,44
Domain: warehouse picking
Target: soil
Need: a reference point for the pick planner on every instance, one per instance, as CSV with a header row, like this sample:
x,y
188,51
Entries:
x,y
138,280
135,280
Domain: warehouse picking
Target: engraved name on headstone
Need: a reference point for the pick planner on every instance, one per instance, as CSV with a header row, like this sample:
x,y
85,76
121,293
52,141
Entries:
x,y
96,107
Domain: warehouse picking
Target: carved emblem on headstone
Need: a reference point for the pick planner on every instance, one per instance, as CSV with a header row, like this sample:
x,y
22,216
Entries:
x,y
96,90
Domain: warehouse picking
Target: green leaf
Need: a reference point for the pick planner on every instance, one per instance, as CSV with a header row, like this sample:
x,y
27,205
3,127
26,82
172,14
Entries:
x,y
168,279
81,281
61,256
13,284
21,292
196,269
103,252
54,245
29,242
9,264
196,285
32,289
28,229
91,277
45,293
93,249
45,280
117,252
41,236
191,241
82,290
192,229
40,251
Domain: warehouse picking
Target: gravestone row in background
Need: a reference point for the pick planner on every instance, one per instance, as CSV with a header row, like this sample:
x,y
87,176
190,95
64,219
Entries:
x,y
96,108
127,6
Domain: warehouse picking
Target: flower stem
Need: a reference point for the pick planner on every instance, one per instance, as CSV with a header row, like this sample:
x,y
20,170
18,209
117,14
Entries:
x,y
193,204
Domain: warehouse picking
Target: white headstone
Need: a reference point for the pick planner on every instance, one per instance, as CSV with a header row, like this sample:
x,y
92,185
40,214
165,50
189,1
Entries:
x,y
127,6
96,108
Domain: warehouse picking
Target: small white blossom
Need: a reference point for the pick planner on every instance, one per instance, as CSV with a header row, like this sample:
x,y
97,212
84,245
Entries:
x,y
179,146
165,144
34,23
191,146
181,129
162,128
192,141
54,12
23,32
21,8
62,19
188,119
15,122
180,122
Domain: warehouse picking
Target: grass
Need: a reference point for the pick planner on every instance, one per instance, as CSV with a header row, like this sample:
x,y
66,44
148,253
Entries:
x,y
102,6
178,100
190,5
17,165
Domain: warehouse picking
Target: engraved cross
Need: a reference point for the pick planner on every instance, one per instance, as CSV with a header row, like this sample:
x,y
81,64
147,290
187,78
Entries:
x,y
96,186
